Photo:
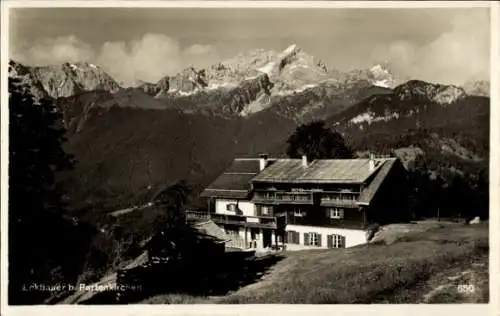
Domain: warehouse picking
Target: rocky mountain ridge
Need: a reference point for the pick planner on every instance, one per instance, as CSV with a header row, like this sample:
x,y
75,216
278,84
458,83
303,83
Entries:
x,y
289,82
64,80
291,70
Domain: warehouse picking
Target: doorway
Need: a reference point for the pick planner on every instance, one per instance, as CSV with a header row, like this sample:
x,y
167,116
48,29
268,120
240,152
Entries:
x,y
254,234
267,238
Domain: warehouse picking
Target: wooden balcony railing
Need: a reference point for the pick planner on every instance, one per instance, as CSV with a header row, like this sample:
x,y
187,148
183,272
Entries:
x,y
193,215
305,198
339,203
248,221
283,197
339,199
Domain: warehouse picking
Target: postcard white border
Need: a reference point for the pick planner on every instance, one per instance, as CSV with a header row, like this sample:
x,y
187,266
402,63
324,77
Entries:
x,y
493,308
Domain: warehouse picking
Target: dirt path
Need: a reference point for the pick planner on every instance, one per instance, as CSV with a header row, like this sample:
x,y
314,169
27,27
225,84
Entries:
x,y
470,285
464,282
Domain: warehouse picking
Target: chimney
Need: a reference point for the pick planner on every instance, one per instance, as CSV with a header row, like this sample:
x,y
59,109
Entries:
x,y
304,161
371,162
262,161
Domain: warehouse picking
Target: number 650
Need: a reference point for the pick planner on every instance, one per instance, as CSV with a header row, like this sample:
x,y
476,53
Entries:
x,y
465,288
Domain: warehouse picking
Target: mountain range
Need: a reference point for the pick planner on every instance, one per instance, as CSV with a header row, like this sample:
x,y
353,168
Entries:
x,y
130,142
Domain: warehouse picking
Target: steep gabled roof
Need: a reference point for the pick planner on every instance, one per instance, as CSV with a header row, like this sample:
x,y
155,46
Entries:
x,y
318,171
371,189
235,181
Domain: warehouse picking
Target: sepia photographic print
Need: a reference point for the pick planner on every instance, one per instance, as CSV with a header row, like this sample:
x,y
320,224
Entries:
x,y
246,154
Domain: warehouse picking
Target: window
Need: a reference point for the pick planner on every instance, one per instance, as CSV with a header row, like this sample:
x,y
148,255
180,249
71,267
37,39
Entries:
x,y
262,210
335,213
299,212
335,241
231,207
265,211
312,239
292,237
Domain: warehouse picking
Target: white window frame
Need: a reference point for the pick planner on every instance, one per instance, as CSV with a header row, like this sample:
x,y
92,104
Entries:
x,y
265,210
298,212
336,241
335,213
313,241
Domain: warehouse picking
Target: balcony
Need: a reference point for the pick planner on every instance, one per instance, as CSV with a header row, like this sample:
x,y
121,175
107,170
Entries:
x,y
240,220
281,197
197,216
339,200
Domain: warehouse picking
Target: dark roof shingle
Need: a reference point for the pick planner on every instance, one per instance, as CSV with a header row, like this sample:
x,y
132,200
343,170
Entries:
x,y
240,165
318,171
369,192
235,181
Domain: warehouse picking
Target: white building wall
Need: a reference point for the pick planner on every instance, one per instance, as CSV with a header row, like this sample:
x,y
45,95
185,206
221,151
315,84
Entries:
x,y
247,207
245,234
353,237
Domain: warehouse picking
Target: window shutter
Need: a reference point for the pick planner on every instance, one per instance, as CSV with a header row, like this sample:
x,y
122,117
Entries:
x,y
329,241
296,238
306,239
290,235
319,239
342,245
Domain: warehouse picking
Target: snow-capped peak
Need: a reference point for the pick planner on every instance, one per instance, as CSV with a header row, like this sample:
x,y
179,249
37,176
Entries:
x,y
291,49
283,58
381,76
268,68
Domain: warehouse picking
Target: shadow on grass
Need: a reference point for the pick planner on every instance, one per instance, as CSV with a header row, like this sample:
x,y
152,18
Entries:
x,y
200,278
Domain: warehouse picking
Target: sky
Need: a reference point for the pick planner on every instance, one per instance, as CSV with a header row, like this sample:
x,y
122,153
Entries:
x,y
449,46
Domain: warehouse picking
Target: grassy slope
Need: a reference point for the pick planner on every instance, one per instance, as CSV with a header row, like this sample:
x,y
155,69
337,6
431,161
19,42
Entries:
x,y
370,273
419,267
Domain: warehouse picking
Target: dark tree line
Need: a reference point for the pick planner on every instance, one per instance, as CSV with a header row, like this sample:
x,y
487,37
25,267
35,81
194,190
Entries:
x,y
41,240
459,196
46,246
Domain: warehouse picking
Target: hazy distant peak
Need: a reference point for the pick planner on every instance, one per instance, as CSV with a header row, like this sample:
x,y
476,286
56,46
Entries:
x,y
477,87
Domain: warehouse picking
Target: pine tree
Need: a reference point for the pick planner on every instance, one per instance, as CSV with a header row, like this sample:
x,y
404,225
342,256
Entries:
x,y
36,227
317,142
